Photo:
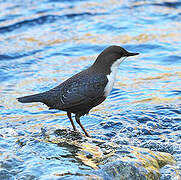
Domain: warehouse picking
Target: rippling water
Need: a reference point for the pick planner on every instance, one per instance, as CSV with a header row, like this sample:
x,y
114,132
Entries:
x,y
46,42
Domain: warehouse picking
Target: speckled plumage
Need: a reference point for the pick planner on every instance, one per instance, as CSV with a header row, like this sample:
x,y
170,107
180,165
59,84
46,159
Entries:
x,y
78,94
85,90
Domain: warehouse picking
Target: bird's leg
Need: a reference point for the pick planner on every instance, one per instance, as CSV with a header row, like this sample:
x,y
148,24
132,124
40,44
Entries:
x,y
70,118
77,118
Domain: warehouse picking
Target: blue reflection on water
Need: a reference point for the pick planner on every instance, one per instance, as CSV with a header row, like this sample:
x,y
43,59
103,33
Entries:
x,y
49,41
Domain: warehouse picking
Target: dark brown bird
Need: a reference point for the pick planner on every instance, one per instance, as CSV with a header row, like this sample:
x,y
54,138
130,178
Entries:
x,y
85,90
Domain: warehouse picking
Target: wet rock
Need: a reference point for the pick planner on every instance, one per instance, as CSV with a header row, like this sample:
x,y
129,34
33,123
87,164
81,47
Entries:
x,y
121,170
111,159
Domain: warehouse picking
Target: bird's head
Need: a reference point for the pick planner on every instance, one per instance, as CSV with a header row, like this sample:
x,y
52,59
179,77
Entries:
x,y
112,55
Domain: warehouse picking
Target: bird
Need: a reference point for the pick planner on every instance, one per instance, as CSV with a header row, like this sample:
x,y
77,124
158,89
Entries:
x,y
86,89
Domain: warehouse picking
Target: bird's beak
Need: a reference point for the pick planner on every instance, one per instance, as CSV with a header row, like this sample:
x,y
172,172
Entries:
x,y
131,54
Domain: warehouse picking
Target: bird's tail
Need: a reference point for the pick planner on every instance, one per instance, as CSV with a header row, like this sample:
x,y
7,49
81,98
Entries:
x,y
31,98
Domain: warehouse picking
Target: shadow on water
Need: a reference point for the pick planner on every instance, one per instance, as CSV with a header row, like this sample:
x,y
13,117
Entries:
x,y
45,20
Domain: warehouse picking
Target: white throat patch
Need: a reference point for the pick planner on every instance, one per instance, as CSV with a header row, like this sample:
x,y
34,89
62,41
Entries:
x,y
112,76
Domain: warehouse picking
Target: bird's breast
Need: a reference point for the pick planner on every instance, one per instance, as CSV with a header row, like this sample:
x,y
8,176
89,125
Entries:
x,y
111,79
112,76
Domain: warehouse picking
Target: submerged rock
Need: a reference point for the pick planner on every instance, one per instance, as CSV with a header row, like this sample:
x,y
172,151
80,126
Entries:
x,y
111,160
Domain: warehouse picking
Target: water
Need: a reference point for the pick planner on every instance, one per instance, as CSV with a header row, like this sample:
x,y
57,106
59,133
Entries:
x,y
46,42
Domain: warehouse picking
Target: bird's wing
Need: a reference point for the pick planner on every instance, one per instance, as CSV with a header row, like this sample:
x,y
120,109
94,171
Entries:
x,y
82,89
